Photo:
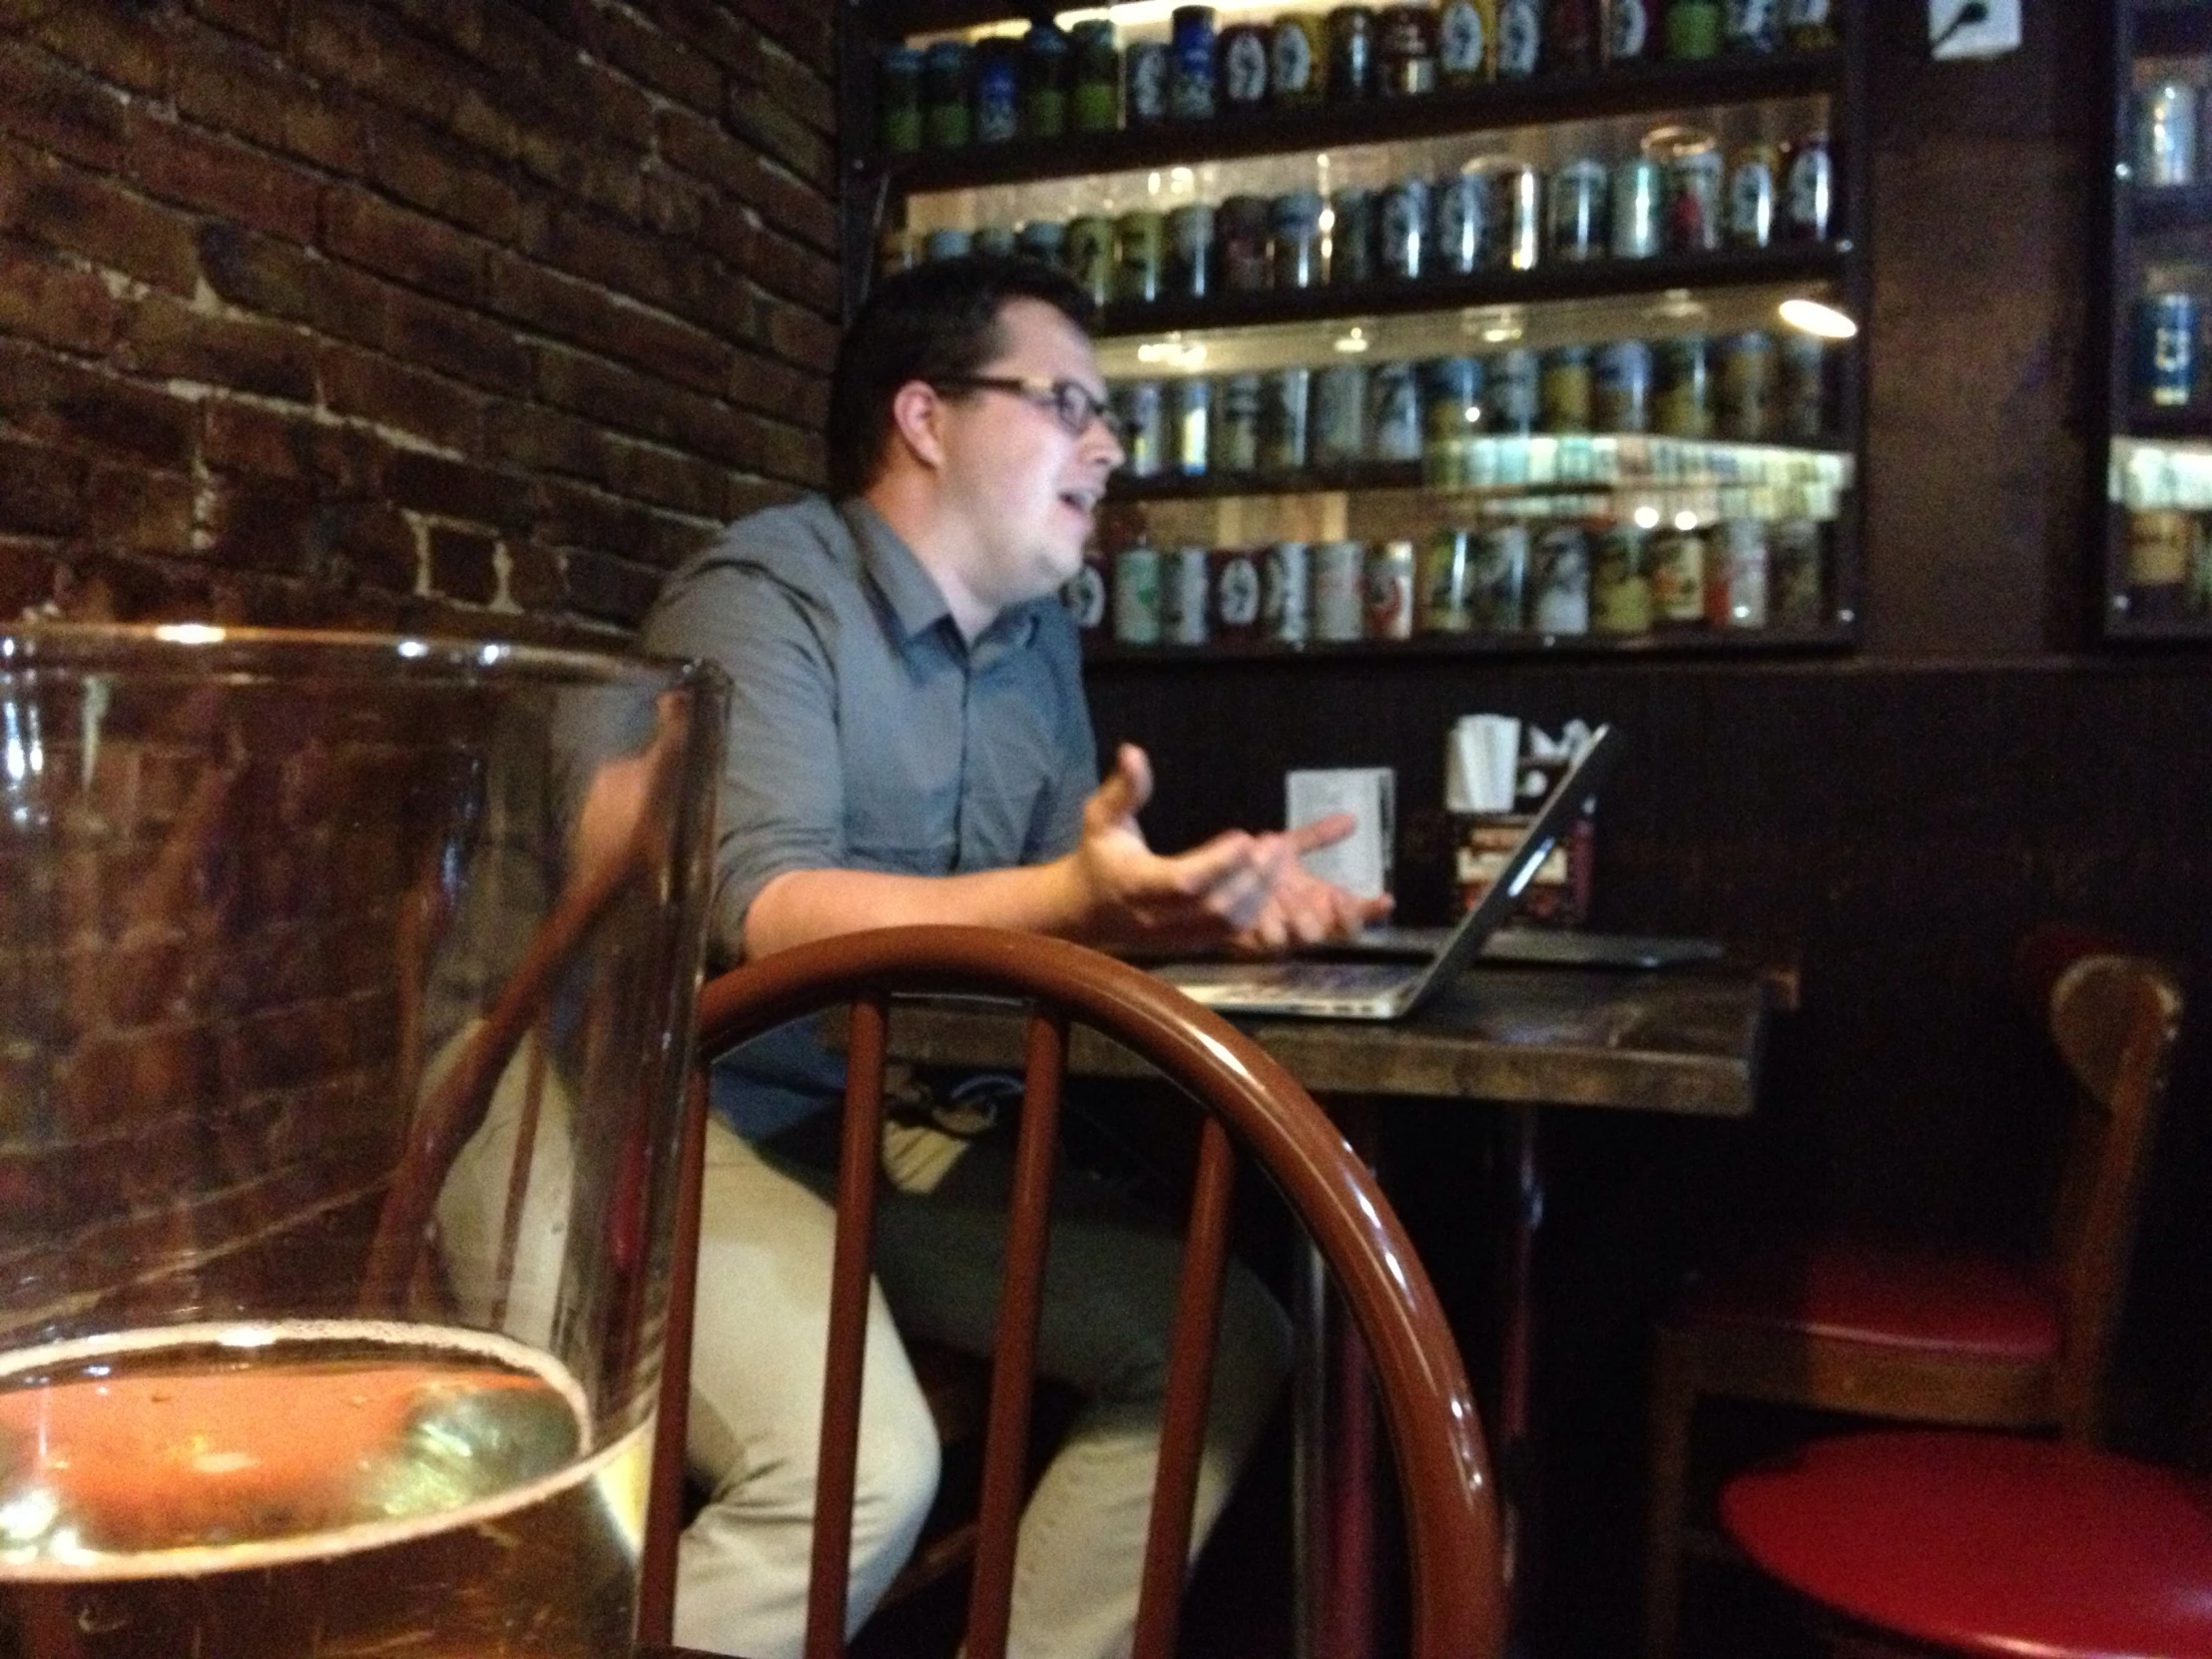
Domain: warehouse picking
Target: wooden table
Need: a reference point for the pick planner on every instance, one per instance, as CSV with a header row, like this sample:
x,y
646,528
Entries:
x,y
1683,1041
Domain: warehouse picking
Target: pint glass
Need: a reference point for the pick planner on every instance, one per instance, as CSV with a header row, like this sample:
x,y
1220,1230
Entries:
x,y
345,986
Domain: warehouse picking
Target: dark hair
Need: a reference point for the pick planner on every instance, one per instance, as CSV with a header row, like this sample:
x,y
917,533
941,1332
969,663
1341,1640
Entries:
x,y
936,321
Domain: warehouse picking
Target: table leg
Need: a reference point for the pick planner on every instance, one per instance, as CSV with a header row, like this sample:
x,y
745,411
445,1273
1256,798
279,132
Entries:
x,y
1512,1433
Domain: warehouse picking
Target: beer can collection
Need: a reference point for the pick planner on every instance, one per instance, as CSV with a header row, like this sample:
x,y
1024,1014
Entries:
x,y
1091,80
1494,213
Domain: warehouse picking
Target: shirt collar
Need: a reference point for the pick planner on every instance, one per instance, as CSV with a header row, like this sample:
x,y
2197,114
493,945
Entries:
x,y
908,588
916,600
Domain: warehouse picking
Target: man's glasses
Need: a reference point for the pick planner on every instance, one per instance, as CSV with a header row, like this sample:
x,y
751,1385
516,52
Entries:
x,y
1070,402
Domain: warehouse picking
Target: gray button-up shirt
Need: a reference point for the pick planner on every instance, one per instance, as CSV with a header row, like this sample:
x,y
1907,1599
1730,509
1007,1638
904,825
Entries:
x,y
864,732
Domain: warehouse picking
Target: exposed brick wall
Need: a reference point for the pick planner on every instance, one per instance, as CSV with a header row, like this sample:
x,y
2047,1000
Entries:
x,y
474,314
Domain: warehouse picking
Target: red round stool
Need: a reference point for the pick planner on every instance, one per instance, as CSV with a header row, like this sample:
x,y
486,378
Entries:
x,y
1987,1543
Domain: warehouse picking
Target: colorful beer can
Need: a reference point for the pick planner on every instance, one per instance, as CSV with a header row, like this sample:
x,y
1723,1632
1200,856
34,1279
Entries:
x,y
947,245
1749,377
1466,32
1559,579
1184,590
1085,595
1047,79
1577,232
1090,256
1296,60
1402,234
1394,412
1441,595
1339,590
1463,220
1622,400
1520,38
1235,594
1639,208
1044,239
1795,560
1189,265
1191,64
1236,424
1243,57
1390,590
1351,237
1140,245
1352,54
1339,414
1754,176
1294,222
1629,36
1137,595
947,84
1693,210
1512,377
1189,423
1754,25
1498,578
1620,585
1677,564
1096,106
898,98
1803,417
1286,598
1743,553
1809,194
1144,427
1517,216
1564,390
1240,244
2166,349
997,102
1406,51
1148,67
1683,401
1284,396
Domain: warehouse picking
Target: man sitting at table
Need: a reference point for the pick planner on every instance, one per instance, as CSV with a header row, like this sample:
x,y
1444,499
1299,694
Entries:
x,y
908,742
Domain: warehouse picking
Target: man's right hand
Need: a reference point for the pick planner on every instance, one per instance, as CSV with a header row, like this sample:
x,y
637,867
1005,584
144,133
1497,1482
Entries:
x,y
1238,888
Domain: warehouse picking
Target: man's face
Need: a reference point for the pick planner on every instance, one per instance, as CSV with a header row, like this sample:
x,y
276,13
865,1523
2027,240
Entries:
x,y
1025,487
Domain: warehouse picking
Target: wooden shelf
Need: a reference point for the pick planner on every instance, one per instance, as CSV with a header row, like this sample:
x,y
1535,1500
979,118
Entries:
x,y
2172,208
2190,421
1689,642
1597,280
2172,28
1653,88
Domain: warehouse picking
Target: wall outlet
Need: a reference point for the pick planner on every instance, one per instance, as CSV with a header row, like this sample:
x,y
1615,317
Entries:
x,y
1973,28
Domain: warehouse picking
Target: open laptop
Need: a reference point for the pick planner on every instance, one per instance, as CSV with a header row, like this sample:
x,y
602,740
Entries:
x,y
1311,989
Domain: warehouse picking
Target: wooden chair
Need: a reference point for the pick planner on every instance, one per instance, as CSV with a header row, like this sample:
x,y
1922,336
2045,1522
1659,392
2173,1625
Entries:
x,y
1984,1545
1249,1102
1930,1337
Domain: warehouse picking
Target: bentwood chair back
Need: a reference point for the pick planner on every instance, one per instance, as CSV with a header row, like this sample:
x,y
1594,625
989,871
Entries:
x,y
1250,1104
1939,1337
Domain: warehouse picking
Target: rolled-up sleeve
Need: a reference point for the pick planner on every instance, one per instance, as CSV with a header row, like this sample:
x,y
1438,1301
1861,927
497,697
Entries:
x,y
782,800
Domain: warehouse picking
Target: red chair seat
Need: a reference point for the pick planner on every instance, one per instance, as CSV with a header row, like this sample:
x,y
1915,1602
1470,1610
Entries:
x,y
1892,1297
1988,1543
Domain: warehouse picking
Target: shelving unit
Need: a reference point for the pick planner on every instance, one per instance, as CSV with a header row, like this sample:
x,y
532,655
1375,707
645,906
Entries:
x,y
2157,568
1541,120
